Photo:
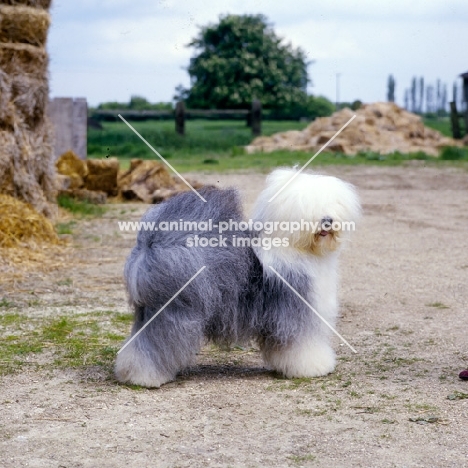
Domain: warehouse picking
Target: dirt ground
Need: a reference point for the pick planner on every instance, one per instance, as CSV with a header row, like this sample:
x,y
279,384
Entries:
x,y
403,307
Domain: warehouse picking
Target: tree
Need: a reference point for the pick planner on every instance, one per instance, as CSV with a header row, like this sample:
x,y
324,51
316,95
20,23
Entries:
x,y
406,99
443,104
240,59
430,99
391,89
421,95
413,95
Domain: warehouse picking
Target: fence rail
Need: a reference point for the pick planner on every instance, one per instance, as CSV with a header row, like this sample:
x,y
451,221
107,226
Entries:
x,y
190,113
180,114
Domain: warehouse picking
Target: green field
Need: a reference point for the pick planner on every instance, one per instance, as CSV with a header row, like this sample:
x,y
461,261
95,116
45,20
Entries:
x,y
218,146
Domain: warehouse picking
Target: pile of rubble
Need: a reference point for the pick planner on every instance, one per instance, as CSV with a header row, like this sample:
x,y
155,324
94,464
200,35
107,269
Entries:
x,y
380,127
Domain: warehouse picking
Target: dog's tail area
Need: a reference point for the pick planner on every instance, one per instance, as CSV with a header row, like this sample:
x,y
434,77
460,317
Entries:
x,y
165,259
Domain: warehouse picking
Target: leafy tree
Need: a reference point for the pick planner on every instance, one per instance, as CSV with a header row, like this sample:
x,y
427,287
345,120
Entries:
x,y
136,103
310,107
240,59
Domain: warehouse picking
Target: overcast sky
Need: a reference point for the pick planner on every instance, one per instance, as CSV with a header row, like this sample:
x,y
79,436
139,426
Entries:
x,y
112,49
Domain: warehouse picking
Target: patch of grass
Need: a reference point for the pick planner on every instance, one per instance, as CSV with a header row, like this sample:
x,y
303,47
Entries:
x,y
421,407
6,304
137,388
78,341
454,153
299,382
121,318
299,459
9,319
80,208
65,282
201,137
438,305
441,124
65,228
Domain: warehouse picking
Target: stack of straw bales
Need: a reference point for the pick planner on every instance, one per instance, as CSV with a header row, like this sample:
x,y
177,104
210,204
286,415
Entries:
x,y
382,127
27,171
92,180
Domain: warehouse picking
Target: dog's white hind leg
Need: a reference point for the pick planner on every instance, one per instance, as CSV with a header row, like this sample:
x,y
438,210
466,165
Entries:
x,y
307,357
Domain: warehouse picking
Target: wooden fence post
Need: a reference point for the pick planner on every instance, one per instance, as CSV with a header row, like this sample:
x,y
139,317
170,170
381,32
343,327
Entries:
x,y
256,118
248,118
456,133
180,118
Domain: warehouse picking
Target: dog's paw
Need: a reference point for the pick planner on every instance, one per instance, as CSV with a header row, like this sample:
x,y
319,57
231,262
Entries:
x,y
138,370
307,360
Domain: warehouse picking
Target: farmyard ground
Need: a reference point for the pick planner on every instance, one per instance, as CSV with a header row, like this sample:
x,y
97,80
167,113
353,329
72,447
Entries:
x,y
403,305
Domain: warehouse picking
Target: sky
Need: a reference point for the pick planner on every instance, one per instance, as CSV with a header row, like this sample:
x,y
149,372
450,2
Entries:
x,y
138,47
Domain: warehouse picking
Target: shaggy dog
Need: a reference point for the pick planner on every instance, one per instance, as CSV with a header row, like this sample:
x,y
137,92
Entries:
x,y
242,293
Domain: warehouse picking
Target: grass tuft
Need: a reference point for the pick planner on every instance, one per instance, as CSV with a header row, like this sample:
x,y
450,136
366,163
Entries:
x,y
438,305
83,340
79,208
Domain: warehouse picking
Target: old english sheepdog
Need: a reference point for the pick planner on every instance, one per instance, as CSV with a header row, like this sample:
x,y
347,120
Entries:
x,y
256,289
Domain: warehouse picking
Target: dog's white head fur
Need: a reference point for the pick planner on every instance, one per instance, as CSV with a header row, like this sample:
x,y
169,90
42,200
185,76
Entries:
x,y
327,202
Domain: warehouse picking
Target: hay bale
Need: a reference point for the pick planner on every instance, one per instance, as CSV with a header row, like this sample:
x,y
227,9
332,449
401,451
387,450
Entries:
x,y
20,224
24,25
26,168
150,182
23,59
23,85
143,178
45,4
24,99
69,164
102,175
